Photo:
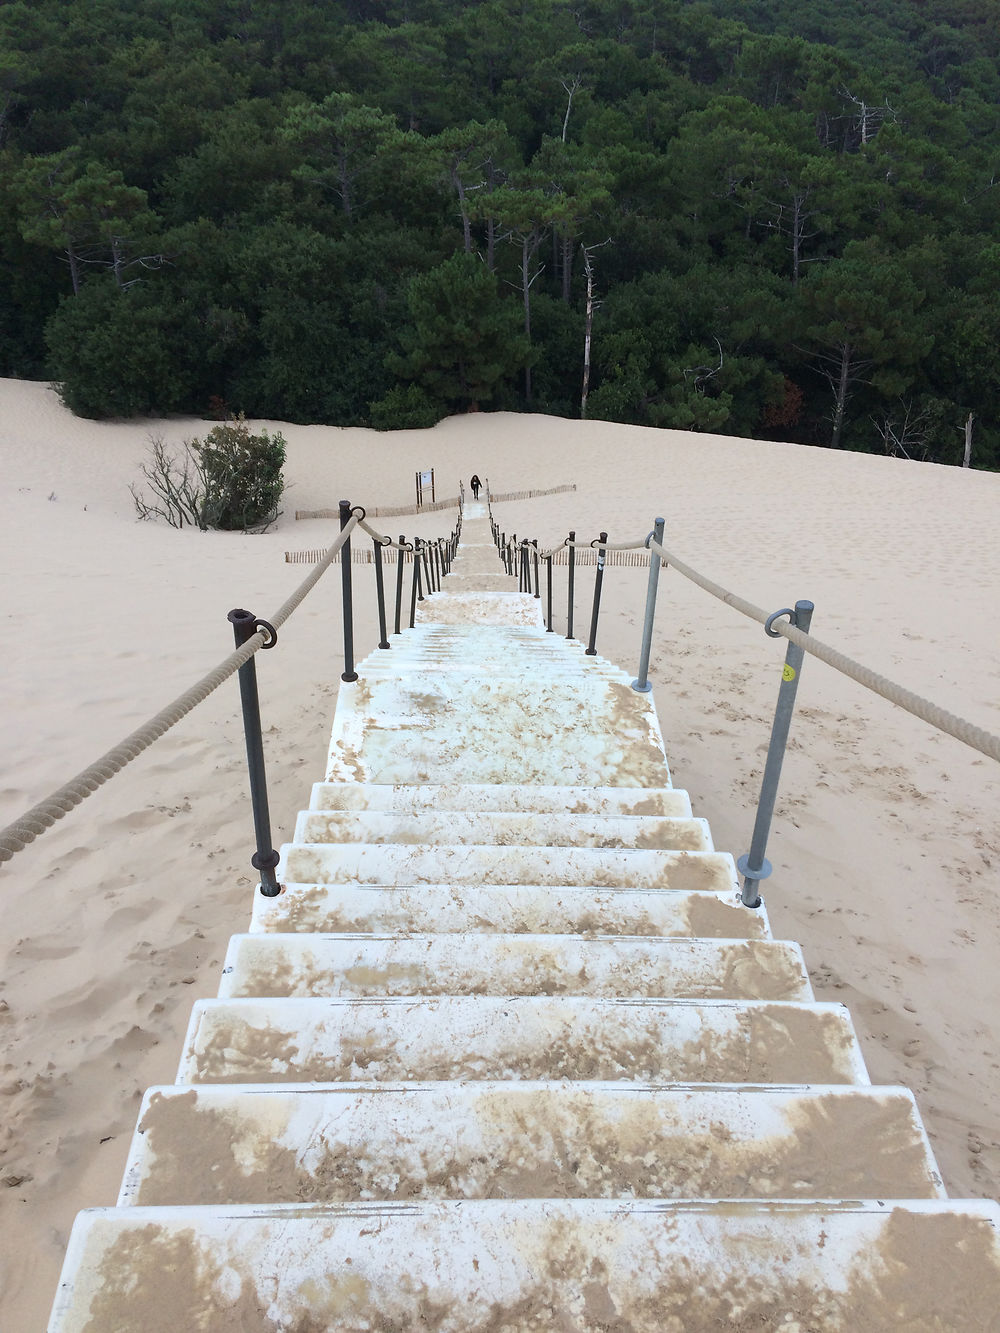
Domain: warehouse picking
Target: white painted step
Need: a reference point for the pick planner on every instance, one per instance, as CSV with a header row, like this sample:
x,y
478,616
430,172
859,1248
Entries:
x,y
444,729
356,863
526,1037
506,909
669,802
464,964
526,1140
486,608
646,1267
512,829
527,673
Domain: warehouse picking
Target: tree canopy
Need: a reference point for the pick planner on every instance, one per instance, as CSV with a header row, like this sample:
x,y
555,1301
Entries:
x,y
377,211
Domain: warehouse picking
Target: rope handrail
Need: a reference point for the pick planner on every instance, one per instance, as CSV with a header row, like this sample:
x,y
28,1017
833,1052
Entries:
x,y
595,545
24,830
977,738
387,511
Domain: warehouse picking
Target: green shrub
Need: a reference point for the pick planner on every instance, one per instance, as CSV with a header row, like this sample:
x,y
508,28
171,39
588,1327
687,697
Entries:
x,y
242,476
230,480
406,407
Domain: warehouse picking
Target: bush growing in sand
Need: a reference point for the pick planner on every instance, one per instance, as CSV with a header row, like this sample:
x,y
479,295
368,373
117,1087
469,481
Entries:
x,y
230,480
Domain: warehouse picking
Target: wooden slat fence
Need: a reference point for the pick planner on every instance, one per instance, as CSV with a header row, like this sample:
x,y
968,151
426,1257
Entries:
x,y
397,511
366,556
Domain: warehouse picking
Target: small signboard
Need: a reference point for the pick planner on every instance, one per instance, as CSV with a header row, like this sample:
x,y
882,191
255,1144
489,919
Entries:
x,y
425,481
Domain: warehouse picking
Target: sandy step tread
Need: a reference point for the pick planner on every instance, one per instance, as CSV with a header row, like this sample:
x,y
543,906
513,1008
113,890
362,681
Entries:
x,y
358,863
442,728
507,909
526,1140
470,1264
669,802
301,965
663,833
526,1037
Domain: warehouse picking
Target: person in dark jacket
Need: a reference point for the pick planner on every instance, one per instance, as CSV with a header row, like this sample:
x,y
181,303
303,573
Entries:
x,y
475,483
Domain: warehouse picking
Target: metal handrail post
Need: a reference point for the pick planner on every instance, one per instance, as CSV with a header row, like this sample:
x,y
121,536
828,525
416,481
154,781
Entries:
x,y
418,559
429,566
571,584
754,865
534,557
591,649
383,641
399,585
548,589
415,586
348,673
641,684
245,624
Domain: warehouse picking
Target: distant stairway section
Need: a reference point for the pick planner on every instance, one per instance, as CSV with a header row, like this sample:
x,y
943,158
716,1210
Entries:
x,y
508,1053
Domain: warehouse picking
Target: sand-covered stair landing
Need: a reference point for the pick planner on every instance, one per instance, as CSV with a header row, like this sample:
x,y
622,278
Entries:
x,y
508,1053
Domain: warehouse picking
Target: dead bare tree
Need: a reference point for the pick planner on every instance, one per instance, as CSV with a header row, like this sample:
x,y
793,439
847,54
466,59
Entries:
x,y
177,482
868,119
571,89
702,374
967,457
903,434
592,305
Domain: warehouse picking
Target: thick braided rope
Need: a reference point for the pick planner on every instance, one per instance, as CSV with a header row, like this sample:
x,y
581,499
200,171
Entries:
x,y
24,830
975,737
607,546
383,538
588,546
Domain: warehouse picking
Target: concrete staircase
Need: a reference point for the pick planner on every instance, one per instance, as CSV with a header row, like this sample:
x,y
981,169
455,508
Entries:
x,y
508,1054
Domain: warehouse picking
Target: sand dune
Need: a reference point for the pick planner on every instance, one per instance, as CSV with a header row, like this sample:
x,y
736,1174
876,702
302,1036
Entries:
x,y
885,847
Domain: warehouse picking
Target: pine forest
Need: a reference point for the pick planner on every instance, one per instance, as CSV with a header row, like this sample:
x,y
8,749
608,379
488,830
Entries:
x,y
754,217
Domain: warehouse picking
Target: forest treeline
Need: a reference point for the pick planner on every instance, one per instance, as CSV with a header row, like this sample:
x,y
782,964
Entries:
x,y
756,217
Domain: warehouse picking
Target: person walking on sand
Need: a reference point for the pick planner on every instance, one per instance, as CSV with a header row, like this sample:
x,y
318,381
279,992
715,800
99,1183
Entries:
x,y
475,483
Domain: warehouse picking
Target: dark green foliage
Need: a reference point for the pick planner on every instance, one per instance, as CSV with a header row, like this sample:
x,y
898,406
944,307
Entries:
x,y
371,210
230,480
406,407
123,354
242,476
464,346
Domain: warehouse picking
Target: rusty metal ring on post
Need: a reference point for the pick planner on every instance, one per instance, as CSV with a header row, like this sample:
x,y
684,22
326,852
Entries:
x,y
265,627
776,615
648,540
596,542
361,512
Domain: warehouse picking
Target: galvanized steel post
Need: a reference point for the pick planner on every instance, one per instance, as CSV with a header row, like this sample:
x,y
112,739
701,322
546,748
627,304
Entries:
x,y
754,865
348,672
245,624
641,683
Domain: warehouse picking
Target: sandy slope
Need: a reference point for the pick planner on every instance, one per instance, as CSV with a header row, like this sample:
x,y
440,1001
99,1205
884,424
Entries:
x,y
886,844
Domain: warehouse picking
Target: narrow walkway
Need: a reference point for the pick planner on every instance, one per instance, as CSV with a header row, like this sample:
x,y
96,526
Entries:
x,y
507,1053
